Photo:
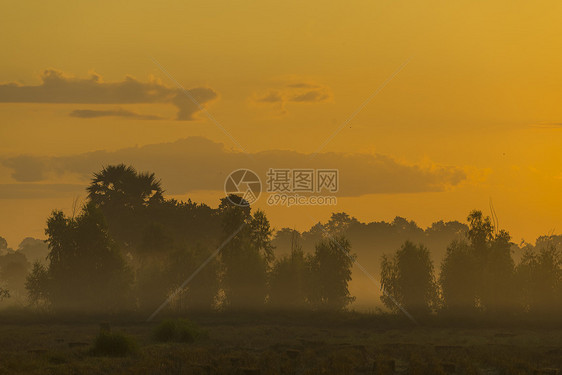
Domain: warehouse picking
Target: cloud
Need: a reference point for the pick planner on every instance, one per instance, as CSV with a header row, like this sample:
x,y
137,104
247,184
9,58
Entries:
x,y
198,164
89,113
552,125
26,168
295,92
57,87
42,190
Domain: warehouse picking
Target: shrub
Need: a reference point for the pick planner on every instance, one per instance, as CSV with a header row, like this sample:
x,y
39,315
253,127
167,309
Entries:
x,y
114,344
177,330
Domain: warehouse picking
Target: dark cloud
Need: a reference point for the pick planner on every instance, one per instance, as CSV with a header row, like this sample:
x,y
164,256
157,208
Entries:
x,y
59,88
26,168
199,164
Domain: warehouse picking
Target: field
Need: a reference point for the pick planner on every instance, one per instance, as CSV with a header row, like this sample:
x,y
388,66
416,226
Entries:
x,y
280,344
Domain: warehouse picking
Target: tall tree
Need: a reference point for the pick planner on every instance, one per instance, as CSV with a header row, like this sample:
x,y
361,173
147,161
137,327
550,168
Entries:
x,y
459,278
479,274
244,257
289,279
121,186
330,268
86,270
124,195
539,276
408,277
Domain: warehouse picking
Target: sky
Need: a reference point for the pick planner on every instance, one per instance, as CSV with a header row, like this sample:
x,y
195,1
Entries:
x,y
428,109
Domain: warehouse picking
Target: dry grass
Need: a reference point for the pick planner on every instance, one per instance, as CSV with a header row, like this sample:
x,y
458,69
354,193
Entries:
x,y
283,344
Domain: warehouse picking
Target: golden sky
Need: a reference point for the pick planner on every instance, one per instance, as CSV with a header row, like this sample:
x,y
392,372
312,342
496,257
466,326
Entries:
x,y
478,98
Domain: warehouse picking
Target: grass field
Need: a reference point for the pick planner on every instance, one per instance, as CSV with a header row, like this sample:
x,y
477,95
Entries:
x,y
278,344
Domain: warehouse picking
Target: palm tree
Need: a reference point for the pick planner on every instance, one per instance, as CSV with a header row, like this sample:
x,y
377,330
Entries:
x,y
120,186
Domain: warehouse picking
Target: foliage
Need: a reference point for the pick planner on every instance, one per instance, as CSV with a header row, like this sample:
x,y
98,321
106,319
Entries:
x,y
479,274
330,273
177,330
539,276
288,281
114,344
245,256
408,278
37,285
86,270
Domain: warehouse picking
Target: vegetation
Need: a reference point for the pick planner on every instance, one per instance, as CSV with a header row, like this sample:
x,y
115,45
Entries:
x,y
270,299
129,248
114,344
177,330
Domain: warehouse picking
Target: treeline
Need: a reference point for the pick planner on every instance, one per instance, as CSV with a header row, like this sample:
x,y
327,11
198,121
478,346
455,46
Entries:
x,y
15,264
477,276
129,248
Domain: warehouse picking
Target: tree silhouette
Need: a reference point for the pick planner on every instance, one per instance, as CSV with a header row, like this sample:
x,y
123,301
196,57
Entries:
x,y
124,196
459,279
330,268
409,278
245,257
37,285
85,267
13,271
289,279
539,276
121,186
479,274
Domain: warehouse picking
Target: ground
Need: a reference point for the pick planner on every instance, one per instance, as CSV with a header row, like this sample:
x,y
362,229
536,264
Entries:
x,y
281,344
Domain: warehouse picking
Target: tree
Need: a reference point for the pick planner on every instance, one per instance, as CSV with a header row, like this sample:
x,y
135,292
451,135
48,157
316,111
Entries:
x,y
479,274
539,276
201,292
244,257
289,279
34,250
497,290
330,268
37,285
339,223
3,245
13,270
121,186
408,277
86,270
260,234
124,196
459,279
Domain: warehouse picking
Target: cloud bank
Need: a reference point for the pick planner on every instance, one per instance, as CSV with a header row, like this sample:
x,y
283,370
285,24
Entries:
x,y
56,87
196,163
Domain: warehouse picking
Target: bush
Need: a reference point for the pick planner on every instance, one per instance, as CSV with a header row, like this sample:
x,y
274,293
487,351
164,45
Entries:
x,y
177,330
114,345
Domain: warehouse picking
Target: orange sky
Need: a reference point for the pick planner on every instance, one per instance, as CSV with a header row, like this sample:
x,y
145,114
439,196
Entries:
x,y
480,94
